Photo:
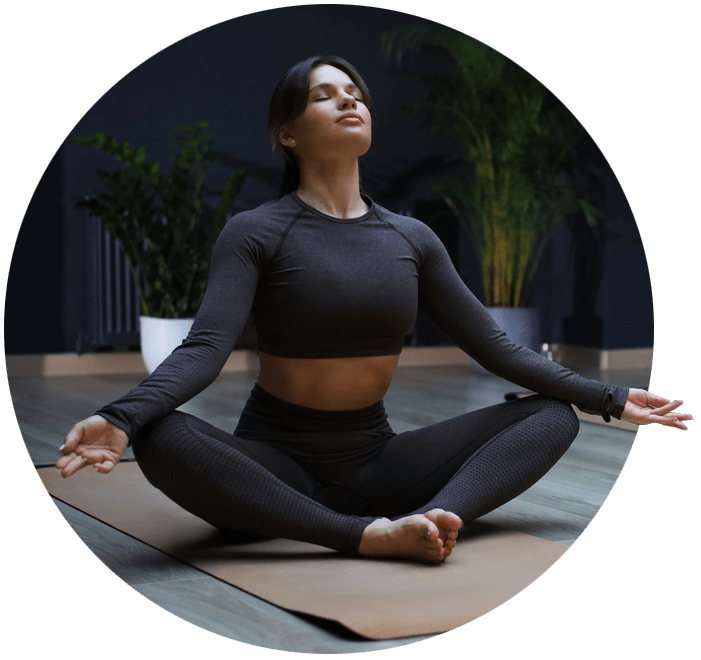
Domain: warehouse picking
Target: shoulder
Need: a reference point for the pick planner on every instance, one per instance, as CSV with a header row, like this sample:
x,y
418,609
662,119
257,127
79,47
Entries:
x,y
418,233
259,226
269,213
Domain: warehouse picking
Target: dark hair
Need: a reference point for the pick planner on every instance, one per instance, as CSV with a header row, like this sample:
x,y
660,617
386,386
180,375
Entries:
x,y
289,101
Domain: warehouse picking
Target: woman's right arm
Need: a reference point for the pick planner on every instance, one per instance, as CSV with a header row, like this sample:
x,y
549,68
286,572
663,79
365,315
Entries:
x,y
192,366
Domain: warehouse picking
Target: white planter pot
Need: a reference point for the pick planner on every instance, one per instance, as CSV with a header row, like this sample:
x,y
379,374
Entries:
x,y
159,337
521,325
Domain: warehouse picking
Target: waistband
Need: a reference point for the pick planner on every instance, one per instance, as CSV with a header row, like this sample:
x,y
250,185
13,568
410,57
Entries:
x,y
274,412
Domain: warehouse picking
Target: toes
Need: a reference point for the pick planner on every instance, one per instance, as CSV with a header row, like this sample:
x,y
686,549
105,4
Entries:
x,y
433,532
444,519
436,543
450,521
436,556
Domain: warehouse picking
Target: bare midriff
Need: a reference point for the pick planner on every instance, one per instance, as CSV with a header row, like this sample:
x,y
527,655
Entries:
x,y
327,384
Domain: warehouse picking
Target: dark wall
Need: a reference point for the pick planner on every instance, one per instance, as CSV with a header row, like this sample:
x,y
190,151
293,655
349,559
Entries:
x,y
225,74
33,305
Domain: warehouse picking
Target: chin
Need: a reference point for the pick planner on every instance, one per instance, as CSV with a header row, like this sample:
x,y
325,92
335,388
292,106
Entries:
x,y
362,146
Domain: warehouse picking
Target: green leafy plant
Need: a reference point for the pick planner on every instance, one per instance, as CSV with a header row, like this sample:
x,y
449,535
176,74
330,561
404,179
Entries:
x,y
164,228
519,140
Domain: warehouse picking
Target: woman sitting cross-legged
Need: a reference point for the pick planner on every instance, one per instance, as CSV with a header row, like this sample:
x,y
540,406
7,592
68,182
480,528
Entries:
x,y
334,282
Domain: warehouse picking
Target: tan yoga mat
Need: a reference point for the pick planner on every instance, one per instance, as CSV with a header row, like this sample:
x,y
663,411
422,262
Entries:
x,y
376,598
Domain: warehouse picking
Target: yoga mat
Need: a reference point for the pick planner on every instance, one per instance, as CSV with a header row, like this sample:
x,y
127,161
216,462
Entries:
x,y
376,598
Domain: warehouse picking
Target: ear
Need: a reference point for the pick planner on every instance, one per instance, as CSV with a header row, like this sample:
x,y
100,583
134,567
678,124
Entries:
x,y
285,138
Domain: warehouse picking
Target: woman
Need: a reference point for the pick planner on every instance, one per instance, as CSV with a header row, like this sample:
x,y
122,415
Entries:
x,y
333,282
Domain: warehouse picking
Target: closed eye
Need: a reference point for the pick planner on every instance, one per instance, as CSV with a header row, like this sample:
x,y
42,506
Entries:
x,y
327,98
326,87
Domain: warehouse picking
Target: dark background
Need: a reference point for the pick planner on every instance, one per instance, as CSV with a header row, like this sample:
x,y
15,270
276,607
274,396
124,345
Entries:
x,y
225,74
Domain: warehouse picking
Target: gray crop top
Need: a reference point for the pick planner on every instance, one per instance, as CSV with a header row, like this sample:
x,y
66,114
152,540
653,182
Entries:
x,y
322,287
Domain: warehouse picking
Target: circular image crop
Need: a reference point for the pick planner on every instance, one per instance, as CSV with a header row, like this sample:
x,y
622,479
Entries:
x,y
343,299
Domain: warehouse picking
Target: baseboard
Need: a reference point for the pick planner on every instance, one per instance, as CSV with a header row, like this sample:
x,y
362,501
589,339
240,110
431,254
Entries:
x,y
578,357
65,364
71,364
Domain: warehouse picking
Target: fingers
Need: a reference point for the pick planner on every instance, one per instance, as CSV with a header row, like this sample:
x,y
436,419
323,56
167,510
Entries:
x,y
70,464
92,441
655,400
670,421
674,420
75,435
663,415
668,407
662,412
104,467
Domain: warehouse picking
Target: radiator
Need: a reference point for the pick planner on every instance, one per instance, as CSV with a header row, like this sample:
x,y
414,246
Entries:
x,y
113,308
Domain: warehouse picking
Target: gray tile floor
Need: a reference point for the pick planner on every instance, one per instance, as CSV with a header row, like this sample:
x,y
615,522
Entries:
x,y
558,508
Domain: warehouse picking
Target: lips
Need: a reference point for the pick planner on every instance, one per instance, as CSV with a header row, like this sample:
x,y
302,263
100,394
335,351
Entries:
x,y
351,115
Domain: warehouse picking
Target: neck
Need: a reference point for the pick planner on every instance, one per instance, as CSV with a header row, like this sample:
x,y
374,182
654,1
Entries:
x,y
333,189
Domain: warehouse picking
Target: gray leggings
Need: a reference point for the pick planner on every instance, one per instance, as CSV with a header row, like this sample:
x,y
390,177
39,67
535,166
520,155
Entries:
x,y
322,477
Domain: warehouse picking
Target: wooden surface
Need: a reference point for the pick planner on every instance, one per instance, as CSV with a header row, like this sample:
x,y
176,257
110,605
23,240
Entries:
x,y
374,597
557,508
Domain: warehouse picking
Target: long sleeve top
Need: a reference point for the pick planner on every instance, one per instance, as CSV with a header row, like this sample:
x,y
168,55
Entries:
x,y
323,287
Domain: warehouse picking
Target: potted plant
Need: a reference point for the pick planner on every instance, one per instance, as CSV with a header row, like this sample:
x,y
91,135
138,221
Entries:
x,y
164,227
519,143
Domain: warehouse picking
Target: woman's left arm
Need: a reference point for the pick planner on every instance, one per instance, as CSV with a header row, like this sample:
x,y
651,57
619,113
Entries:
x,y
642,407
459,315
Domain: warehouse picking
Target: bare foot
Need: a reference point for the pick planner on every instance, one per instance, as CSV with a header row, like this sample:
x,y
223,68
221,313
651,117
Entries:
x,y
448,526
418,537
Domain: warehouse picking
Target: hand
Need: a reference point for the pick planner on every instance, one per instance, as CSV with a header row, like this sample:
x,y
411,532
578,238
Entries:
x,y
94,441
645,408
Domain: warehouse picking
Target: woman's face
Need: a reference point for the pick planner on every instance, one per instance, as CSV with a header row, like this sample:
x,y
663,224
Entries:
x,y
335,121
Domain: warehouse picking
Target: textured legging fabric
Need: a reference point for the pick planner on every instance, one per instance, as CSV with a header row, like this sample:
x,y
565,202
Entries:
x,y
323,477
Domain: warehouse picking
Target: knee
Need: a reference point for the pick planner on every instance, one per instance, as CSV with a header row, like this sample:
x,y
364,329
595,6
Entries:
x,y
564,419
150,441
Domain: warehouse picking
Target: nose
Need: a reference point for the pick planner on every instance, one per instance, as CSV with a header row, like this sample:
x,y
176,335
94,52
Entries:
x,y
348,101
